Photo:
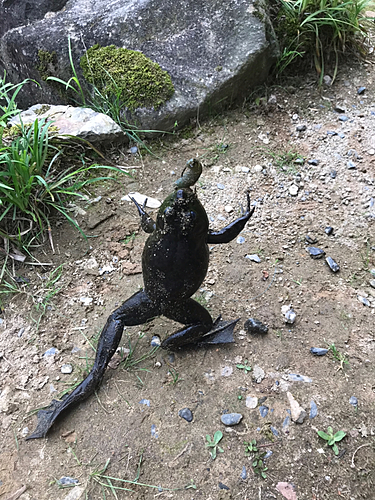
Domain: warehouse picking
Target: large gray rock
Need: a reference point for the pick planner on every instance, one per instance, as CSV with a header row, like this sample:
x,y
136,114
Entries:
x,y
214,50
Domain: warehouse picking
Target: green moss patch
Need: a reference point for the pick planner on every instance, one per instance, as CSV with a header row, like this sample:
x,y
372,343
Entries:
x,y
128,75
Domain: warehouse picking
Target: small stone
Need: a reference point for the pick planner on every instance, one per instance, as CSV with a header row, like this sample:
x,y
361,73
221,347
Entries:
x,y
293,190
145,402
244,473
339,109
318,351
327,80
343,118
154,433
155,341
333,174
364,301
313,409
186,414
296,377
65,480
372,272
258,374
310,239
226,371
313,162
241,240
263,410
223,486
315,253
66,369
50,352
245,170
301,128
257,168
290,316
86,301
351,165
251,402
274,431
220,186
255,327
361,90
372,283
140,199
331,132
298,413
353,401
253,257
328,230
332,264
228,209
231,418
134,150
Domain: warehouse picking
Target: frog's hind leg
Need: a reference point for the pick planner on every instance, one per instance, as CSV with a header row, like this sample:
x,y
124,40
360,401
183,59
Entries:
x,y
135,311
197,319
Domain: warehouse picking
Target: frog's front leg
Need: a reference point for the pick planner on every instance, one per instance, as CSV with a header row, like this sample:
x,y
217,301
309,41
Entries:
x,y
147,223
135,311
229,232
197,319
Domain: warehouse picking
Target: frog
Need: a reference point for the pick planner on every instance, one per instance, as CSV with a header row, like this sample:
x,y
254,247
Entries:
x,y
175,261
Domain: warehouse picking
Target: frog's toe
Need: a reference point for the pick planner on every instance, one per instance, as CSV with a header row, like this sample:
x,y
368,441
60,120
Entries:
x,y
221,332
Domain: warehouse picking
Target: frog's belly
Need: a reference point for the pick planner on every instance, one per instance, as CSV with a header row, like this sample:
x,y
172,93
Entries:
x,y
174,271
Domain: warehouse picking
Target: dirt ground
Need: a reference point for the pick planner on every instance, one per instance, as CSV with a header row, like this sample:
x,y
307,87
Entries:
x,y
131,429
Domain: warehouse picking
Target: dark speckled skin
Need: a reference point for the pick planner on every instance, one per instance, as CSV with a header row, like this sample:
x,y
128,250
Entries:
x,y
174,263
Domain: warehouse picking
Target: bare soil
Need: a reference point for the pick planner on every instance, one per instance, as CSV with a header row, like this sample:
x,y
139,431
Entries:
x,y
153,444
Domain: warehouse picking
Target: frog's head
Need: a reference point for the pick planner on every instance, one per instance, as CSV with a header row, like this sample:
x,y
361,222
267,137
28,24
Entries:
x,y
182,213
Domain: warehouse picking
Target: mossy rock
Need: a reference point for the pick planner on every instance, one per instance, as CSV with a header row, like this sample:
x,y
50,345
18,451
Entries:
x,y
128,75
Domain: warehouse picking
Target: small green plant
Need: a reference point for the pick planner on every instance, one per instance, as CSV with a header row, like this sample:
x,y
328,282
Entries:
x,y
341,358
214,444
331,438
244,366
287,161
257,457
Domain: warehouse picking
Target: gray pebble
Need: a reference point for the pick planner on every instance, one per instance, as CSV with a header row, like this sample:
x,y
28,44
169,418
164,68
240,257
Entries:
x,y
364,301
50,352
343,118
361,90
145,402
301,128
231,418
253,257
316,253
155,341
263,410
268,454
244,473
372,283
333,174
290,316
310,239
66,368
220,186
286,423
154,432
313,409
223,486
186,414
328,230
331,132
332,264
274,431
251,402
255,327
353,401
313,162
351,165
296,377
134,150
65,480
318,351
258,374
240,240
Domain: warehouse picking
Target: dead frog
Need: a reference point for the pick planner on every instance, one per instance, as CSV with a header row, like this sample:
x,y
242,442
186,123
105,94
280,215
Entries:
x,y
174,264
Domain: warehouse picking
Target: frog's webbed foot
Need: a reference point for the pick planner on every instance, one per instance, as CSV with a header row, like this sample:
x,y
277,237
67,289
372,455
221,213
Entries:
x,y
135,311
147,223
221,332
